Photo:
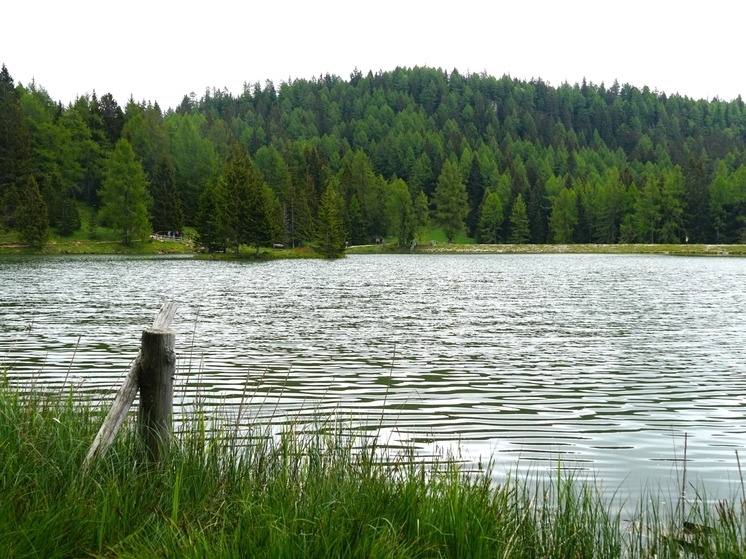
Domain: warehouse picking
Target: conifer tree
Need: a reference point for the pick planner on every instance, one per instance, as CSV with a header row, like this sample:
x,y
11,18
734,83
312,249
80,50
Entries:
x,y
210,231
491,218
168,213
68,218
15,141
519,229
330,235
124,194
32,220
451,201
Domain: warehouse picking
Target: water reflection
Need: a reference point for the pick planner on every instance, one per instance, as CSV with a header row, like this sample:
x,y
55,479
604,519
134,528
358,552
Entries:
x,y
604,360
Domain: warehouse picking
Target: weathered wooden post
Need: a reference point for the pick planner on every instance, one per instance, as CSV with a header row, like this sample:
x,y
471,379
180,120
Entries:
x,y
126,395
156,382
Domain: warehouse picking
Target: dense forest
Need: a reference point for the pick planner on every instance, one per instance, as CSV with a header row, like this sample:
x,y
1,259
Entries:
x,y
392,154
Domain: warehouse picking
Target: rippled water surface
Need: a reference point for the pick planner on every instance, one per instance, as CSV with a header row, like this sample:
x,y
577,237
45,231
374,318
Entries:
x,y
602,360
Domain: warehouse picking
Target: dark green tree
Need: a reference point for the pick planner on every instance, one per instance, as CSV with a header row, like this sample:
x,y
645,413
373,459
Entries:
x,y
31,215
211,234
167,212
16,156
68,221
245,215
330,234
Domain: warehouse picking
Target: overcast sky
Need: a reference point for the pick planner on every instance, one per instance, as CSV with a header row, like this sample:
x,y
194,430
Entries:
x,y
160,50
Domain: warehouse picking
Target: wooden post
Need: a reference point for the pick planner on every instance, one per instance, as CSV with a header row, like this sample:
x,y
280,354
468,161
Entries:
x,y
126,395
156,390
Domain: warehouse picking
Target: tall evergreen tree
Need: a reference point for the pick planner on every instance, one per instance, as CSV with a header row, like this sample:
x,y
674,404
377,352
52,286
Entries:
x,y
31,215
564,216
16,155
167,211
330,235
211,233
124,194
451,201
491,218
519,226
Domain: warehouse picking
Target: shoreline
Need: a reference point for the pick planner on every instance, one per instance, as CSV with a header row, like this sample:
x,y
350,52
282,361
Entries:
x,y
156,248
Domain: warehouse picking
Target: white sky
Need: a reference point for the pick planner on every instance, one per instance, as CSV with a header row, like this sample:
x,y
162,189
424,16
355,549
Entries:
x,y
160,50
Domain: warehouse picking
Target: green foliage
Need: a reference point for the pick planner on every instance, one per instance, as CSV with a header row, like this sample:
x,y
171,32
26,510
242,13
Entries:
x,y
401,214
505,135
564,216
421,208
69,217
16,158
491,218
451,201
244,207
124,194
31,215
519,231
167,210
330,234
211,232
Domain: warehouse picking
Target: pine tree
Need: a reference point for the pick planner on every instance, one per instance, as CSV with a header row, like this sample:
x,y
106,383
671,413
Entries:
x,y
68,219
167,212
330,235
210,230
519,229
32,220
356,223
15,141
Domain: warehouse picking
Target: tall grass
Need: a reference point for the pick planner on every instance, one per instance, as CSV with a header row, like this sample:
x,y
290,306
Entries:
x,y
307,492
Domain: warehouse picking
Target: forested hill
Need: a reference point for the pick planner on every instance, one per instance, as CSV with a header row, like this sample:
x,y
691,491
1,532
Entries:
x,y
390,154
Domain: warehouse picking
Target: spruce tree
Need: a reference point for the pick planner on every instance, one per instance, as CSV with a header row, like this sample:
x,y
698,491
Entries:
x,y
167,212
210,230
68,220
330,235
15,141
32,220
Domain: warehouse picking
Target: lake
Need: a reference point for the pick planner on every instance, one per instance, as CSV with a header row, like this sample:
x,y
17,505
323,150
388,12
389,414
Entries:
x,y
602,361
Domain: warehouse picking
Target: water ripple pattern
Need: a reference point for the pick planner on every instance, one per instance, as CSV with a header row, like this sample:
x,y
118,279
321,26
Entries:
x,y
603,361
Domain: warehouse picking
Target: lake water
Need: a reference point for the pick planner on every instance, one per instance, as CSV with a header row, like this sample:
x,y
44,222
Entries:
x,y
604,361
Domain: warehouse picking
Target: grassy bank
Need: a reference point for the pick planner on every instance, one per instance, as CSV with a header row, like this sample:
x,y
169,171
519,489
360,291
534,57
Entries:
x,y
306,493
100,240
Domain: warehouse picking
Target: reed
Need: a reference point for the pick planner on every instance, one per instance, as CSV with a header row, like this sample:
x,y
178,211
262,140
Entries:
x,y
310,491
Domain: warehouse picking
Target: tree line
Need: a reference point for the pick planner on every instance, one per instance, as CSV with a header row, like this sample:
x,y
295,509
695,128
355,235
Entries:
x,y
327,161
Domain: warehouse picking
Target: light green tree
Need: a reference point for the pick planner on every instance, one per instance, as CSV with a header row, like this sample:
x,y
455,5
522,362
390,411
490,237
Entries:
x,y
564,217
491,218
124,194
401,212
451,201
421,210
519,229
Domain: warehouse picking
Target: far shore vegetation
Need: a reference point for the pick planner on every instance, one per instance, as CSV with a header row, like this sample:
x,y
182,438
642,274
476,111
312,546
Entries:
x,y
316,165
231,488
